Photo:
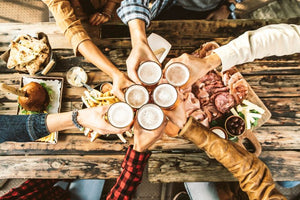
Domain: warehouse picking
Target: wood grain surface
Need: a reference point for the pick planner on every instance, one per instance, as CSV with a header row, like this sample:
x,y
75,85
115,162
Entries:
x,y
274,79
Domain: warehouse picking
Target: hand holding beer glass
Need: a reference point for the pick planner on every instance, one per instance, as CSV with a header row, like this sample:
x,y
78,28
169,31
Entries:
x,y
94,118
143,139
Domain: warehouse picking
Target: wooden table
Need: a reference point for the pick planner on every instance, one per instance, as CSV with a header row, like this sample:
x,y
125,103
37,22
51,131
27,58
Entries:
x,y
276,80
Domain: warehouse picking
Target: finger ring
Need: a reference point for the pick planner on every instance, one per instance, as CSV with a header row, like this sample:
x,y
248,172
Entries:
x,y
99,14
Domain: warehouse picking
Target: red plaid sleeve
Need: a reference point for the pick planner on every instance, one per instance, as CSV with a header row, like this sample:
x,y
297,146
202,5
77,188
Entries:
x,y
131,176
37,189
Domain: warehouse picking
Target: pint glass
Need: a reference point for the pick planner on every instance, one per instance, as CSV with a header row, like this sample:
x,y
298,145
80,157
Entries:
x,y
149,73
136,96
165,96
177,74
150,116
120,115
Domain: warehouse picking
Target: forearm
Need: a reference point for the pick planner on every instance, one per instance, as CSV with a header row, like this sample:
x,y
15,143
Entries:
x,y
67,22
23,128
137,30
110,7
92,53
133,166
280,39
254,176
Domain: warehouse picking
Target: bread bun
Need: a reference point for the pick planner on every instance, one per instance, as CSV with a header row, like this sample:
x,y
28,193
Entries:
x,y
37,98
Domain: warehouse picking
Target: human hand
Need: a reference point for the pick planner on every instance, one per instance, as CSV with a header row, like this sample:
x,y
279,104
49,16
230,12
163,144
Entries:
x,y
177,115
98,18
141,51
120,83
198,67
222,13
143,139
139,54
94,118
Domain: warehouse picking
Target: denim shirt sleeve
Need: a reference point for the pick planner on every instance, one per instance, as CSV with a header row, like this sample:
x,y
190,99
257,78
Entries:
x,y
23,128
139,9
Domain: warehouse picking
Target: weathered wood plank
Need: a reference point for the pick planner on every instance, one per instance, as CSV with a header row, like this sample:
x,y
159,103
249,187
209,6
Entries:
x,y
74,142
176,31
61,166
198,167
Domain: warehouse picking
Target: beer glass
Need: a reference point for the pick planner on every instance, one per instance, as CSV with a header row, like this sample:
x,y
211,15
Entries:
x,y
165,96
177,74
149,73
136,96
150,116
120,115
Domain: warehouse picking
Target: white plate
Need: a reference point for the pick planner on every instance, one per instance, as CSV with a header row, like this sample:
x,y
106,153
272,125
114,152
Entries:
x,y
56,85
159,44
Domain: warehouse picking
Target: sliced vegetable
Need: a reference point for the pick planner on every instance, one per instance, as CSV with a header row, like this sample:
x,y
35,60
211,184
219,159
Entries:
x,y
233,111
253,106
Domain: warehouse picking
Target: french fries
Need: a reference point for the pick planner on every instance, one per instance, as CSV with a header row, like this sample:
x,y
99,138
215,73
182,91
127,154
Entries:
x,y
96,98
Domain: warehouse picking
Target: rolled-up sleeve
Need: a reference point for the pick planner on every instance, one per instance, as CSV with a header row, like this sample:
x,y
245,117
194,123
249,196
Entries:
x,y
23,128
67,21
278,40
134,9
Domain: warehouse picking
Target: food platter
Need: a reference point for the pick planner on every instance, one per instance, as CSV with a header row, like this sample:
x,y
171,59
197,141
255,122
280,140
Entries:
x,y
54,86
24,56
219,95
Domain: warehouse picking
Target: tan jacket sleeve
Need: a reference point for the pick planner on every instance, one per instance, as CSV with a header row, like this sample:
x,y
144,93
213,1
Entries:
x,y
254,176
67,21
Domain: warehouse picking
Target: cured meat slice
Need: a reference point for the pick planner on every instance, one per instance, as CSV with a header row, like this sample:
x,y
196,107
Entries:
x,y
199,115
239,90
224,102
191,103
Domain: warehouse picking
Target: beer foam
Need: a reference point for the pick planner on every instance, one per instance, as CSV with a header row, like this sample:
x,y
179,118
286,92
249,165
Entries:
x,y
120,114
136,96
149,72
150,116
177,74
164,95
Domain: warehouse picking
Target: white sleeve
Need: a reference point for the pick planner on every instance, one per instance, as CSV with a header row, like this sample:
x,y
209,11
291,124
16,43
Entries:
x,y
278,40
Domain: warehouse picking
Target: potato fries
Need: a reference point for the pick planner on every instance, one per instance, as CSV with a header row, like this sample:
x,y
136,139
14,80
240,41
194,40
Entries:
x,y
96,98
51,138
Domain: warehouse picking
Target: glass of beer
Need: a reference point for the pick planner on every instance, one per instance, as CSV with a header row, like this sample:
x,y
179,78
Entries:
x,y
136,96
149,73
150,116
177,74
165,96
120,115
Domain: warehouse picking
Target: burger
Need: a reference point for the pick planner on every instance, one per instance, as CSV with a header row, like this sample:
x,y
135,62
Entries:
x,y
36,98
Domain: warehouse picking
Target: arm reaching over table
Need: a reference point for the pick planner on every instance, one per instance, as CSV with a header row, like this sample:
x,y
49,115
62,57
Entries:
x,y
134,162
26,128
137,15
254,176
82,43
278,40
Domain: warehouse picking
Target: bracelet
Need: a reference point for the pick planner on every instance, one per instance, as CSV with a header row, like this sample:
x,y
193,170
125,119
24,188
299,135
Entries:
x,y
106,14
74,120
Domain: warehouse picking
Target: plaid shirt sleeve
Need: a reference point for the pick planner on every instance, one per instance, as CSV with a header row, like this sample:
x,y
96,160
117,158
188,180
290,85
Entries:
x,y
139,9
36,189
133,166
67,21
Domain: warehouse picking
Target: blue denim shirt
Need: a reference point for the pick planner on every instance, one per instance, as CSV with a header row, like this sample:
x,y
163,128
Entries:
x,y
22,128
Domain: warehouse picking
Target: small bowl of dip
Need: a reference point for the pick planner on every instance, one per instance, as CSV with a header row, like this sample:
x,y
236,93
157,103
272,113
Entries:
x,y
219,131
76,76
235,125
